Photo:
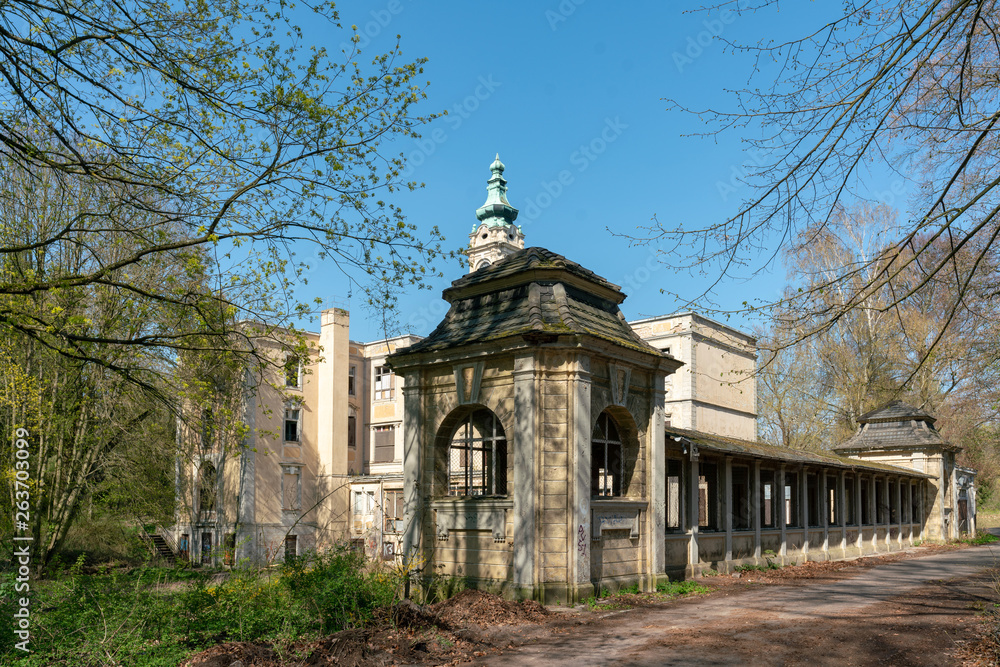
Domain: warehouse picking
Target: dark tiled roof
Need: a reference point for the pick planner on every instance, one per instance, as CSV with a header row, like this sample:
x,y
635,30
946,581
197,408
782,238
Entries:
x,y
533,292
527,260
754,449
895,411
893,427
895,435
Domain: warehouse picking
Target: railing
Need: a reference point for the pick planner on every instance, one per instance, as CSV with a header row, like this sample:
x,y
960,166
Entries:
x,y
151,543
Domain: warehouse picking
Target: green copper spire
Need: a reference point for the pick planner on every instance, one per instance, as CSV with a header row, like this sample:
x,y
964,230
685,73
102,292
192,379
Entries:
x,y
495,236
497,210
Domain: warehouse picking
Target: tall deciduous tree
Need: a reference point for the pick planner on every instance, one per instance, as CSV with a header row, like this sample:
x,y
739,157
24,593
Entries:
x,y
200,130
871,354
163,163
907,87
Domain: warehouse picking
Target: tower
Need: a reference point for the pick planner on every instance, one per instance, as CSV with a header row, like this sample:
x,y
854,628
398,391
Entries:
x,y
495,236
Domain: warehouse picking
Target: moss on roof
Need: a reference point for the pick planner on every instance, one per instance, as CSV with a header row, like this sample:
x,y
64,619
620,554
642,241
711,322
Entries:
x,y
512,298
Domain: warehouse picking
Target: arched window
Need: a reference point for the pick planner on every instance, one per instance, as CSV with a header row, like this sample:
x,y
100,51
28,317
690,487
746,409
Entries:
x,y
606,460
477,457
207,484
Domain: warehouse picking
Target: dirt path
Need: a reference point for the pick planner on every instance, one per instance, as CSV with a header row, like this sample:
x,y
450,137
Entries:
x,y
918,611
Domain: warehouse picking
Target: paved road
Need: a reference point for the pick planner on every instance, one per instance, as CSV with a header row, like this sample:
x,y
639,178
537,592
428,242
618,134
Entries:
x,y
635,637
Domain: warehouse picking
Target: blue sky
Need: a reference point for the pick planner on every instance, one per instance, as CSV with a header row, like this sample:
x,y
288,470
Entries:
x,y
576,88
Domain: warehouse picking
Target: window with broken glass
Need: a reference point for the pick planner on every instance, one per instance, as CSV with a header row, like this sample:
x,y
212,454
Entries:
x,y
606,460
477,457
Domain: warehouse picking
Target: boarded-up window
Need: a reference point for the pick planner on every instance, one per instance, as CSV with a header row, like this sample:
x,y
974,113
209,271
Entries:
x,y
291,487
291,548
384,440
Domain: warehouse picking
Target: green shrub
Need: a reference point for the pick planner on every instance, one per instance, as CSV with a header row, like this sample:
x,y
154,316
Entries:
x,y
679,588
981,537
339,588
157,617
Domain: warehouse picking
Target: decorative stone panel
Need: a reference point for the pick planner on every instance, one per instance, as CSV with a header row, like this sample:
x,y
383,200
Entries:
x,y
472,515
616,515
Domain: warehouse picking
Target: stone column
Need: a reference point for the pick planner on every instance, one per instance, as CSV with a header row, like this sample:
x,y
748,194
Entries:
x,y
857,508
842,511
888,514
524,446
727,516
874,512
824,508
804,510
921,493
953,524
755,508
778,499
657,462
899,513
944,514
972,508
909,511
415,495
693,556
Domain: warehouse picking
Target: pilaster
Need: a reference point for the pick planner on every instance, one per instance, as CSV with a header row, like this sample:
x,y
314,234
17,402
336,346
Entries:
x,y
524,444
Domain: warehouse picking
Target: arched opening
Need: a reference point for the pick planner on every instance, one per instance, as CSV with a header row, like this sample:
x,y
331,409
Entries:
x,y
606,459
476,455
614,453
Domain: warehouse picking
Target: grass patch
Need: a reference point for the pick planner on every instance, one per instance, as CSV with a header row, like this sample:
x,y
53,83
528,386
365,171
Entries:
x,y
987,519
981,537
630,596
157,617
676,589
